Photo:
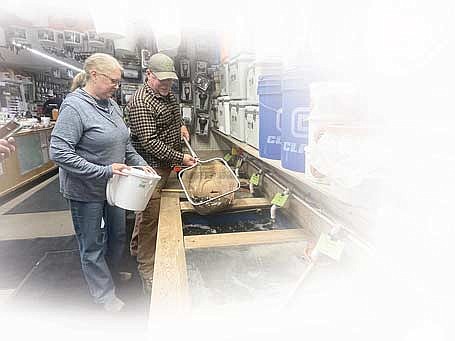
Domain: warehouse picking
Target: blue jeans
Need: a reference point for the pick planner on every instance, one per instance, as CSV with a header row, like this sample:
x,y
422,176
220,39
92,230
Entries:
x,y
100,246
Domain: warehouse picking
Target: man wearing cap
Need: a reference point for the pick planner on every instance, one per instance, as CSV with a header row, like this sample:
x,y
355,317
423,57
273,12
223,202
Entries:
x,y
156,127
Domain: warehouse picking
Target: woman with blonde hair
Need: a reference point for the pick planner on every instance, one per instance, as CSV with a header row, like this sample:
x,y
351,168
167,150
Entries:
x,y
90,142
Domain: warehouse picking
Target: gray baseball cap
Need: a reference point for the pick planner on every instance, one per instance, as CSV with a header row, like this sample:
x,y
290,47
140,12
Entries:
x,y
162,66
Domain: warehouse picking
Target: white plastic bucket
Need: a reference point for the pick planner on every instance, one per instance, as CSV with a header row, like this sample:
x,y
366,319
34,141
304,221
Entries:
x,y
131,191
255,70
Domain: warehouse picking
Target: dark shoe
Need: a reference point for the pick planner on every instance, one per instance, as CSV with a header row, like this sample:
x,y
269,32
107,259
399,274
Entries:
x,y
121,277
124,276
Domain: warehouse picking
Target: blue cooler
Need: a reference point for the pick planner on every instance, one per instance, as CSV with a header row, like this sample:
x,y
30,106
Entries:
x,y
296,111
269,91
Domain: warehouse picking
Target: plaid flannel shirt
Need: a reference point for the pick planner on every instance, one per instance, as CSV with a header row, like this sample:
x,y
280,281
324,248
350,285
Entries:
x,y
155,123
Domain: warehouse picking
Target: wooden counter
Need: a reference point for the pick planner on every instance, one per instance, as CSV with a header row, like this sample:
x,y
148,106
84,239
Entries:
x,y
30,161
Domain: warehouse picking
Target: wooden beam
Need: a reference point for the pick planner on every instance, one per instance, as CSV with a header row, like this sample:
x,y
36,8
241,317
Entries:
x,y
238,204
246,238
170,295
171,190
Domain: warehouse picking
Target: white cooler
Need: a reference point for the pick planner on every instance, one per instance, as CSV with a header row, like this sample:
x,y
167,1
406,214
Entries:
x,y
224,120
238,70
257,69
237,116
252,125
224,79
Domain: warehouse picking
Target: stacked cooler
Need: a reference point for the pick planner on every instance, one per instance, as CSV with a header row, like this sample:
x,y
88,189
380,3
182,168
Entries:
x,y
238,70
224,123
223,115
256,70
237,117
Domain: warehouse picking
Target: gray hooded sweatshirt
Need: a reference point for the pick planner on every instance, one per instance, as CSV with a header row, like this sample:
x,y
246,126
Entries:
x,y
86,140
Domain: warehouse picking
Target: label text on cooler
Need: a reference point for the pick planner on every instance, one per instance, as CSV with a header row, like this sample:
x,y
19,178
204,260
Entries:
x,y
274,139
293,147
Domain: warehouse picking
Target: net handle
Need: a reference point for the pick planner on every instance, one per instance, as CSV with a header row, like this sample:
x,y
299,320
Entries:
x,y
193,154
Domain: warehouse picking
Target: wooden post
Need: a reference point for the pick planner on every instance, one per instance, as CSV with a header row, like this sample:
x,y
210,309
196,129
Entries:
x,y
170,296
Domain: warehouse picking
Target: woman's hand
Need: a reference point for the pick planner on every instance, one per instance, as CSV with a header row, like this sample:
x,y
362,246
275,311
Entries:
x,y
117,168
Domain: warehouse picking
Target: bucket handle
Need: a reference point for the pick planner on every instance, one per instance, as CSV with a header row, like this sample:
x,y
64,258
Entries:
x,y
268,107
154,172
279,114
151,180
140,167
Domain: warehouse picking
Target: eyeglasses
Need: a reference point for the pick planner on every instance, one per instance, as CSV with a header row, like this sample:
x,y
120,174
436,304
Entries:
x,y
113,81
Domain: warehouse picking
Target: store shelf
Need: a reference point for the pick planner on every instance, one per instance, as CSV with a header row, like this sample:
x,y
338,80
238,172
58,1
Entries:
x,y
276,165
27,131
15,81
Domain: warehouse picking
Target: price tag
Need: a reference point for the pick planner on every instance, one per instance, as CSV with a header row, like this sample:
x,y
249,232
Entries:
x,y
228,157
330,247
280,199
234,151
255,179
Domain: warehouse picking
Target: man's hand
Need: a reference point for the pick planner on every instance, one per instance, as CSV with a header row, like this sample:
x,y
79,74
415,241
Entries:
x,y
184,133
6,148
188,160
117,168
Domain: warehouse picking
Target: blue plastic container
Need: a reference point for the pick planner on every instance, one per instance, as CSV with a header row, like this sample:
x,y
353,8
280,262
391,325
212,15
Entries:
x,y
269,91
296,111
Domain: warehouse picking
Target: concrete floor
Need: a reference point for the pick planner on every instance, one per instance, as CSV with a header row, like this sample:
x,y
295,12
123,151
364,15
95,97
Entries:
x,y
32,225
